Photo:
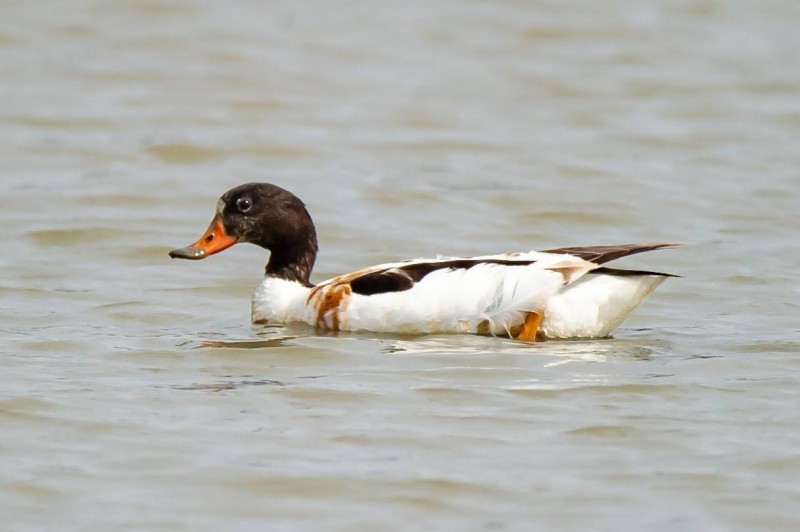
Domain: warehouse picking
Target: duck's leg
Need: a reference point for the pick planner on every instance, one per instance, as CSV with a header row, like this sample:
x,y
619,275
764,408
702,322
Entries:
x,y
530,326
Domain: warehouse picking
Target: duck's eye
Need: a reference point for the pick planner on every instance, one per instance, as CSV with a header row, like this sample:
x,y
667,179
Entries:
x,y
244,204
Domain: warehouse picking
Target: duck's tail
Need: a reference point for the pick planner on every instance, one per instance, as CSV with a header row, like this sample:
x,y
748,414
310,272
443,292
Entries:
x,y
597,303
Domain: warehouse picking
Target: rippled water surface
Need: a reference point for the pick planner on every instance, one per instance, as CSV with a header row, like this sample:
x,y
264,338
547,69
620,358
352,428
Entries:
x,y
135,395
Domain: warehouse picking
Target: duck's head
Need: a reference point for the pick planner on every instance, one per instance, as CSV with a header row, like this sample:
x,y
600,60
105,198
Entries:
x,y
265,215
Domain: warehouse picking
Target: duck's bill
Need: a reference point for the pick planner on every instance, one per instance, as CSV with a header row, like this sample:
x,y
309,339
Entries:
x,y
214,240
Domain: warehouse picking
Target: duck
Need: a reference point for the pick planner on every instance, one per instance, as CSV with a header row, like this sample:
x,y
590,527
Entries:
x,y
564,293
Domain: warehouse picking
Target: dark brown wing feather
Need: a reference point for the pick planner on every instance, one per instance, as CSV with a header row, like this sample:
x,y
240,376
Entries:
x,y
603,254
381,282
627,273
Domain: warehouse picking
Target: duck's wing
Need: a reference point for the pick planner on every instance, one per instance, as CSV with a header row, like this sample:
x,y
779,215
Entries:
x,y
401,276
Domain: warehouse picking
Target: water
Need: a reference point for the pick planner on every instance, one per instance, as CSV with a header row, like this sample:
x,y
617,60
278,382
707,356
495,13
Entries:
x,y
136,395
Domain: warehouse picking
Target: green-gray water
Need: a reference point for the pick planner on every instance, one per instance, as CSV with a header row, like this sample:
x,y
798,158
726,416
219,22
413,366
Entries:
x,y
135,395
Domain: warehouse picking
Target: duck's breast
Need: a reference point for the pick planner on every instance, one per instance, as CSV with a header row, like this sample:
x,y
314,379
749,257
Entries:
x,y
280,301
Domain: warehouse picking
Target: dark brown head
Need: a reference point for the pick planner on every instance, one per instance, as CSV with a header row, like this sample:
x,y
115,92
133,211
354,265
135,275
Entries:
x,y
265,215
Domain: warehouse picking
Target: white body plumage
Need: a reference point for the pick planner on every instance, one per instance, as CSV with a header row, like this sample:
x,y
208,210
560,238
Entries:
x,y
492,295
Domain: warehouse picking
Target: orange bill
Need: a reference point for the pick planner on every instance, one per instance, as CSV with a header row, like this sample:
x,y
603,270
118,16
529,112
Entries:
x,y
214,240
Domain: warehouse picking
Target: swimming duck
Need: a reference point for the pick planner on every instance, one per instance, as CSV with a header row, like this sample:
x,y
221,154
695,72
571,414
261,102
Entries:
x,y
557,293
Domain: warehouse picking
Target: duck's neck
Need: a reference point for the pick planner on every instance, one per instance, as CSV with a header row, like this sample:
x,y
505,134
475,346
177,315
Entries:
x,y
293,262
